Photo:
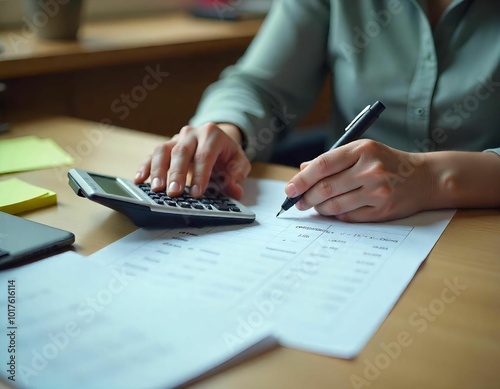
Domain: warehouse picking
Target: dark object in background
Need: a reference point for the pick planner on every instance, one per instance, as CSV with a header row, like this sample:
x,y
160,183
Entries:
x,y
230,9
215,9
53,20
4,127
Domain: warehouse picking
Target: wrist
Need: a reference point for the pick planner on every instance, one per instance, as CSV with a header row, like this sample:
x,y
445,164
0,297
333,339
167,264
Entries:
x,y
233,132
463,179
423,178
441,181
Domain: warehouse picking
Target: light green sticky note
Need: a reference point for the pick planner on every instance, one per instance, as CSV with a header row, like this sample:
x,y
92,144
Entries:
x,y
31,153
18,196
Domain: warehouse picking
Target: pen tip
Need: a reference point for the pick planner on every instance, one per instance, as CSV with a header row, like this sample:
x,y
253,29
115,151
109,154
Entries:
x,y
280,212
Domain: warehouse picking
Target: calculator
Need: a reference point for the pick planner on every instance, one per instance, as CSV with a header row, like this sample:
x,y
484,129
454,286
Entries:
x,y
156,209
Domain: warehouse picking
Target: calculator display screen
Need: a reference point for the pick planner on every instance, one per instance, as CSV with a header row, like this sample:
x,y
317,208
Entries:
x,y
111,186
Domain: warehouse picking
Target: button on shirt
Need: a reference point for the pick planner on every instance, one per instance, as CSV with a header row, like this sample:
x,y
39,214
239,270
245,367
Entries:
x,y
441,86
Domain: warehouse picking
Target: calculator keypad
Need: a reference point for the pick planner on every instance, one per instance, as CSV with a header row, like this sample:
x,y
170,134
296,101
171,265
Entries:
x,y
207,202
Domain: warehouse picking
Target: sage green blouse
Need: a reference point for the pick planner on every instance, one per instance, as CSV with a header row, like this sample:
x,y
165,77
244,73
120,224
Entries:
x,y
441,87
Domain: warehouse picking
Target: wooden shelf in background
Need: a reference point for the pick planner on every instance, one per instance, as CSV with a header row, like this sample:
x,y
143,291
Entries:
x,y
84,79
117,42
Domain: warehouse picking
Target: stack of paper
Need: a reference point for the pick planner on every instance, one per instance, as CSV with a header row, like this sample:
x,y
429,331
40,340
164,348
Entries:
x,y
17,196
31,153
161,307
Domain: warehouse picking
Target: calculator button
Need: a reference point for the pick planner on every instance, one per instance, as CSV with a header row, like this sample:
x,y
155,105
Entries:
x,y
235,209
221,207
198,206
184,204
171,203
207,201
159,201
208,206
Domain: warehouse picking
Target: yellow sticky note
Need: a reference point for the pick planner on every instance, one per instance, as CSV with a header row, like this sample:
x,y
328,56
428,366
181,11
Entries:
x,y
31,153
17,196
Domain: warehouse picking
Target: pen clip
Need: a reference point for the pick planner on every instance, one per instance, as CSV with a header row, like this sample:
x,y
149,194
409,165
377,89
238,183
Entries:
x,y
358,117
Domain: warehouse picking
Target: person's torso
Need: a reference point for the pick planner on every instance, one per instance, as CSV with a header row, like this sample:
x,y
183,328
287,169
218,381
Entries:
x,y
441,87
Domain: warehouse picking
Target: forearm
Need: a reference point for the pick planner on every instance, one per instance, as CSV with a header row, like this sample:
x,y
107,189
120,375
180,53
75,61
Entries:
x,y
463,179
263,92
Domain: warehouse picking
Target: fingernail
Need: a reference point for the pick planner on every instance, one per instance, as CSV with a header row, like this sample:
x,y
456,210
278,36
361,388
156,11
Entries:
x,y
194,190
291,190
173,187
156,183
138,175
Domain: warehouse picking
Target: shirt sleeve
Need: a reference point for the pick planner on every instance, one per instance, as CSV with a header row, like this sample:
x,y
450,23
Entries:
x,y
277,80
495,150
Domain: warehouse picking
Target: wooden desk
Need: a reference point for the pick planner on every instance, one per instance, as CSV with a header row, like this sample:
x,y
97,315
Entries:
x,y
460,347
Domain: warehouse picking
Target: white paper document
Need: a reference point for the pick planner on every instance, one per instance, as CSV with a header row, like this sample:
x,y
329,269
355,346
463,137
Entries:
x,y
74,324
320,284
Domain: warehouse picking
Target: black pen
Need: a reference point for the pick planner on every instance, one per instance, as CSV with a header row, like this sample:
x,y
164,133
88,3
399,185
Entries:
x,y
353,131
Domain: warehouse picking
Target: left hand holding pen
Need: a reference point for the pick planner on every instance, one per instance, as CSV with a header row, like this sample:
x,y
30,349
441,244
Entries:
x,y
363,181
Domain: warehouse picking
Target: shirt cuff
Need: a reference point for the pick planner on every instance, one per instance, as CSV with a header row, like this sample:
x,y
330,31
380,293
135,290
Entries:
x,y
496,151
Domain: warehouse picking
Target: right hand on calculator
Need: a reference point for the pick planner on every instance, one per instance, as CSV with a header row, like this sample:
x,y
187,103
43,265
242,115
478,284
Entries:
x,y
211,151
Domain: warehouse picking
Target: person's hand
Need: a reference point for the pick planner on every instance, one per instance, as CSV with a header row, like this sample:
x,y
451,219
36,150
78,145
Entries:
x,y
207,151
363,181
